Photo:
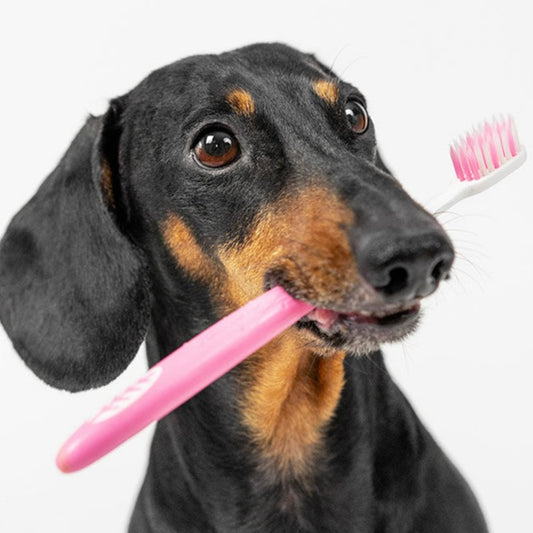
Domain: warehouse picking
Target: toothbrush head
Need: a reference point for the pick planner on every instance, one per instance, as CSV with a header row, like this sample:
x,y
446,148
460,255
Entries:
x,y
485,149
481,158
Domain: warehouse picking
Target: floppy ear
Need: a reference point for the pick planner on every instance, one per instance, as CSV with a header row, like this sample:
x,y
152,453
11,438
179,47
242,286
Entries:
x,y
74,294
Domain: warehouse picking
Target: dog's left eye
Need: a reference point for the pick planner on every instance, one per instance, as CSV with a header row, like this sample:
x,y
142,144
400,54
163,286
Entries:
x,y
216,148
357,116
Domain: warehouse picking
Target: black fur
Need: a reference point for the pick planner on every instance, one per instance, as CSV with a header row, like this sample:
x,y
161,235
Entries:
x,y
75,296
84,279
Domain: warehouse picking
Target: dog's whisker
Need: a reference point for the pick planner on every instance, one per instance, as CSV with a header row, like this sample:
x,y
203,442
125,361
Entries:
x,y
406,355
369,357
337,55
461,250
458,216
464,257
455,278
457,270
349,66
459,230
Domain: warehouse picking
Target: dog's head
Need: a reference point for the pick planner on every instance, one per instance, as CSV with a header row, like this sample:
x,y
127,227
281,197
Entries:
x,y
216,178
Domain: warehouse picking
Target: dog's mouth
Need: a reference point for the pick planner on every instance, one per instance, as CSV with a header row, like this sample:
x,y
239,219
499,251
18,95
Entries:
x,y
358,328
326,319
362,330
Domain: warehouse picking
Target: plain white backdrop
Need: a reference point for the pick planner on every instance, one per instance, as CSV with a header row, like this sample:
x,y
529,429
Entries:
x,y
429,70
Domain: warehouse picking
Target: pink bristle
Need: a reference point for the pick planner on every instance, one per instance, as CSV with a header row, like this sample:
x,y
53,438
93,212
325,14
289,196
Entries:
x,y
484,153
498,141
484,134
489,132
456,164
463,158
475,155
503,139
485,148
511,138
480,153
472,162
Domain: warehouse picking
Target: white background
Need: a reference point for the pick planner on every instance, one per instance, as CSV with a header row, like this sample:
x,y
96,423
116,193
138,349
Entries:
x,y
429,72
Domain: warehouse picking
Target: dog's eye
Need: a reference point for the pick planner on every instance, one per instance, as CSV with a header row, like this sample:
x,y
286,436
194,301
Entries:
x,y
357,116
216,148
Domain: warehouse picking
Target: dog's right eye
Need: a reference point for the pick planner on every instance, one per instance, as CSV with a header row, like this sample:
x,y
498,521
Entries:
x,y
357,116
216,148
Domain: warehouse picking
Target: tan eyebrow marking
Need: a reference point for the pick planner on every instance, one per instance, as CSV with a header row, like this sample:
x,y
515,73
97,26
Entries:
x,y
241,102
327,90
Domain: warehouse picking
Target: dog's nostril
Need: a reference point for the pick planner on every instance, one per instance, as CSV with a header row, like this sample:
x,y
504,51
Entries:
x,y
398,281
405,267
438,271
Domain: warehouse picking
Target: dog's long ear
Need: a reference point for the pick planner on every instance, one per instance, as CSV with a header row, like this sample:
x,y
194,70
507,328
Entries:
x,y
74,295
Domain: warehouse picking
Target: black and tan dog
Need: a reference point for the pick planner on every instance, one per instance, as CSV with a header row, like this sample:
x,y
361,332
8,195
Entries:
x,y
214,179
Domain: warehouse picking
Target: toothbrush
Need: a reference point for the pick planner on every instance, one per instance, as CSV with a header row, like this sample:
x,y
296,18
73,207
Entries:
x,y
481,159
181,375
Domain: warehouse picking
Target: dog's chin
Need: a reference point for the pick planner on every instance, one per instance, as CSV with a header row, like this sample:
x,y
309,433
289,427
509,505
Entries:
x,y
360,332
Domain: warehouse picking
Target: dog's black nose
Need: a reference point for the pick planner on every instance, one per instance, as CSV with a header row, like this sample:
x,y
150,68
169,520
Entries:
x,y
404,267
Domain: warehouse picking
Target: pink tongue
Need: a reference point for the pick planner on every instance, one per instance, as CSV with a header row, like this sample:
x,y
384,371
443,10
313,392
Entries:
x,y
324,317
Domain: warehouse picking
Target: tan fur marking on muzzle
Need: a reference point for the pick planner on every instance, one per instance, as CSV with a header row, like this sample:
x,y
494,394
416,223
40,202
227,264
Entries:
x,y
185,249
303,234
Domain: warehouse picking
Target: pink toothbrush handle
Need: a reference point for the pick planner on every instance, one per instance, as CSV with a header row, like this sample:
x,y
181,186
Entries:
x,y
181,375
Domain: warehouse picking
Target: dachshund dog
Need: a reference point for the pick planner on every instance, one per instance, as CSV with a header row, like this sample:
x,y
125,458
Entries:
x,y
216,178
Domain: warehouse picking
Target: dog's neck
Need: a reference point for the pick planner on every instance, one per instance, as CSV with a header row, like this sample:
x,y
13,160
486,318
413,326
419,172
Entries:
x,y
289,393
296,429
282,398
